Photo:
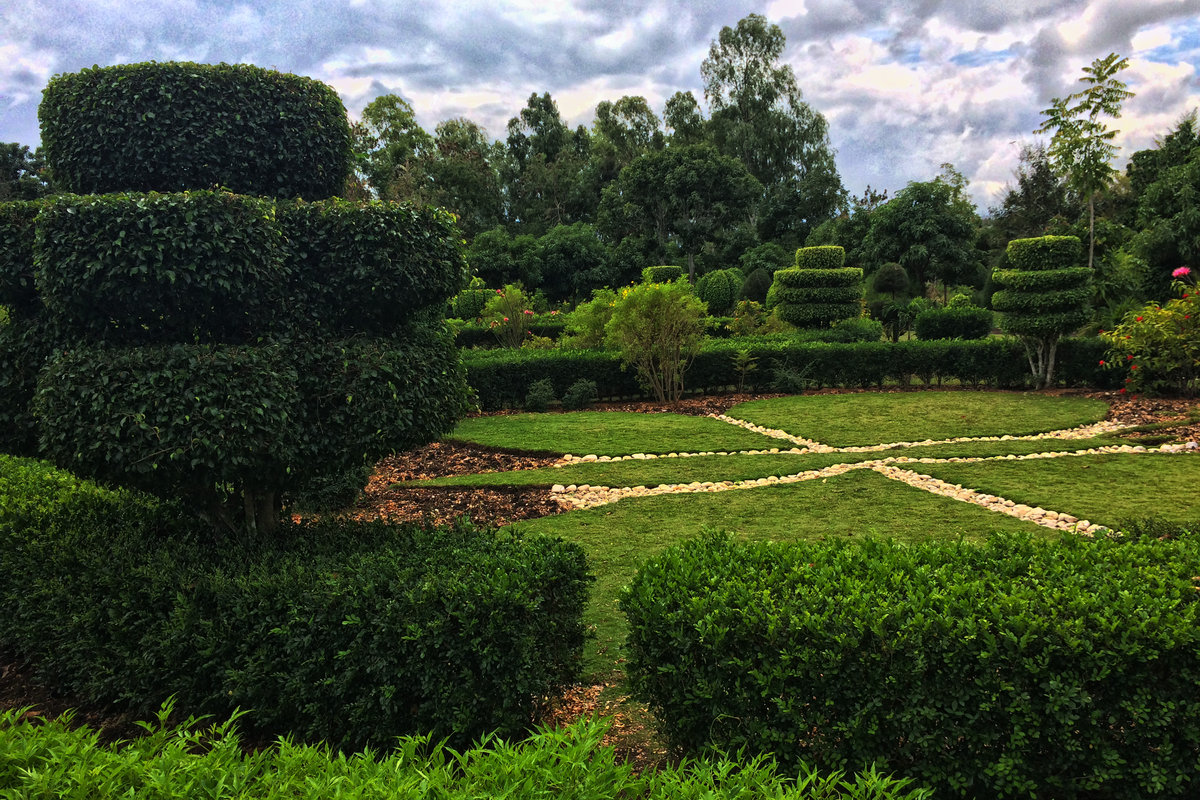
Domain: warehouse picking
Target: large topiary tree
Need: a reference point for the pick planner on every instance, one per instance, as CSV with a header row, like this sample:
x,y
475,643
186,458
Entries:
x,y
819,291
228,349
1042,296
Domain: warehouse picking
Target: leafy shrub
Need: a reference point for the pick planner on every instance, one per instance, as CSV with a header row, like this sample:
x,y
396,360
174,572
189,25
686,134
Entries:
x,y
52,759
657,328
662,274
25,344
470,335
881,653
540,395
962,322
1157,348
468,304
328,490
820,257
720,290
1031,302
581,394
252,130
586,324
350,633
757,284
855,329
768,257
16,254
891,279
508,315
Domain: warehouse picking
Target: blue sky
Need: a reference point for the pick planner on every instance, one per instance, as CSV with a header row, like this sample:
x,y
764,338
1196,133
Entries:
x,y
905,86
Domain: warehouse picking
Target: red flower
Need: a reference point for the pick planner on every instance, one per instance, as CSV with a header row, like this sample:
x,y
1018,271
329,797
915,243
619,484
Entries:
x,y
1122,390
1139,319
1102,362
1134,367
1128,358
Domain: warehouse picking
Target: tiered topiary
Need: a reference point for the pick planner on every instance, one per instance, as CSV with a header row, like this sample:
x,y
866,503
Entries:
x,y
228,349
1042,296
819,291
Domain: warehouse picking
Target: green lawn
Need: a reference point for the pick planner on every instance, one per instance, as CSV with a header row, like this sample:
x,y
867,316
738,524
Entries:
x,y
845,420
620,536
610,433
1104,489
739,467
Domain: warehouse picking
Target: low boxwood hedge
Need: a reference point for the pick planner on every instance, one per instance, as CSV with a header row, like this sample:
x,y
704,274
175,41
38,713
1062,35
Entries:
x,y
1019,668
351,633
501,378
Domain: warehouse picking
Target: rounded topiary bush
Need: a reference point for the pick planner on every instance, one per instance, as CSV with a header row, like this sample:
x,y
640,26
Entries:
x,y
662,274
818,291
720,290
247,129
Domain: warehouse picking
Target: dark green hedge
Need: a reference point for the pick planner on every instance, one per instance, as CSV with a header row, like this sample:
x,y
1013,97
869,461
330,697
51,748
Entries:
x,y
1020,668
171,127
720,290
818,295
501,378
157,268
1041,301
25,344
484,336
796,278
818,291
1043,280
954,322
348,633
366,268
1028,306
815,314
16,254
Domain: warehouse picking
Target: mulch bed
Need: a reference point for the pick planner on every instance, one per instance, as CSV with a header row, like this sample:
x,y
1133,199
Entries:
x,y
501,506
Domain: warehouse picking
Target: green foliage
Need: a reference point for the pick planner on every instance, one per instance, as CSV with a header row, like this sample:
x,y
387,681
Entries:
x,y
757,284
1157,348
251,130
23,175
500,259
540,395
573,261
818,291
579,395
769,256
25,344
209,268
855,329
662,274
586,324
906,648
468,304
55,759
1029,308
16,254
370,267
657,328
341,632
951,322
720,290
891,278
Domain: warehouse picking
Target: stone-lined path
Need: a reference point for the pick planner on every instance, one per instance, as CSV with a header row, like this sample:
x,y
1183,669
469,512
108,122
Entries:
x,y
893,467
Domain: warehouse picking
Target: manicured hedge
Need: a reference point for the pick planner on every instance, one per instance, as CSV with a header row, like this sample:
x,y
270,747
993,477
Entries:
x,y
53,760
819,291
720,290
501,378
135,269
336,631
16,254
662,274
367,268
250,130
953,322
1019,668
484,336
25,344
1028,304
823,257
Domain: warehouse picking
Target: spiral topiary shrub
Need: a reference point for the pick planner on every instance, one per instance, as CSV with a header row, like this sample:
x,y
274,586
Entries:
x,y
818,291
1042,297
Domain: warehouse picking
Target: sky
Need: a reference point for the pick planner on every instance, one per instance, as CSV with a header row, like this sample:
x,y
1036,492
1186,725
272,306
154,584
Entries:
x,y
905,86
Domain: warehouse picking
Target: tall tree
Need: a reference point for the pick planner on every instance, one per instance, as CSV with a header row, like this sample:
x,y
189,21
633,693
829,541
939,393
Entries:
x,y
463,170
683,120
929,228
1081,147
759,116
22,173
687,195
544,162
1040,196
392,148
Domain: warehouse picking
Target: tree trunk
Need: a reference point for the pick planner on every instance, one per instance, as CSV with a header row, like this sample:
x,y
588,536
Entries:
x,y
691,268
1091,229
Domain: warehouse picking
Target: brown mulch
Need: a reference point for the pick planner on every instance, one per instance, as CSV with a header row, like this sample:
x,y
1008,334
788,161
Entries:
x,y
500,506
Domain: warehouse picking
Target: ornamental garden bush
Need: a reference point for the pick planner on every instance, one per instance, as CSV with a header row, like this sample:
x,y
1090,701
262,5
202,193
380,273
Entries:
x,y
1157,348
818,291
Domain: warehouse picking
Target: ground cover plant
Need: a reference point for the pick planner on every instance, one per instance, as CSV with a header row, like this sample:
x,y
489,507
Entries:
x,y
844,420
607,433
1103,488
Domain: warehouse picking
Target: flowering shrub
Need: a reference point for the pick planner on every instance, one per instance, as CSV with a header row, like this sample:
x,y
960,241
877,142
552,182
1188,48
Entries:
x,y
658,328
508,314
1159,346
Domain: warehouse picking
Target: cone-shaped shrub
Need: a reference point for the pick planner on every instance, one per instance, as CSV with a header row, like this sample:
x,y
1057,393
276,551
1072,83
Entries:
x,y
819,291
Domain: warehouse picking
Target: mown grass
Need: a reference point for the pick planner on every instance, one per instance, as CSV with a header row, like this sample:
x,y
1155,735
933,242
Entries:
x,y
846,420
620,536
610,433
1104,489
737,467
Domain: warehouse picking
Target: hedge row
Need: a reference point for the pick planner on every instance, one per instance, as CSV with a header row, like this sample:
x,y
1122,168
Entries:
x,y
251,130
16,254
953,322
176,419
53,760
501,378
1020,668
350,633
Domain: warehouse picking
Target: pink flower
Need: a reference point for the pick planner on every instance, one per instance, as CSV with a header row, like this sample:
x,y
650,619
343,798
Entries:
x,y
506,320
527,311
1181,272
